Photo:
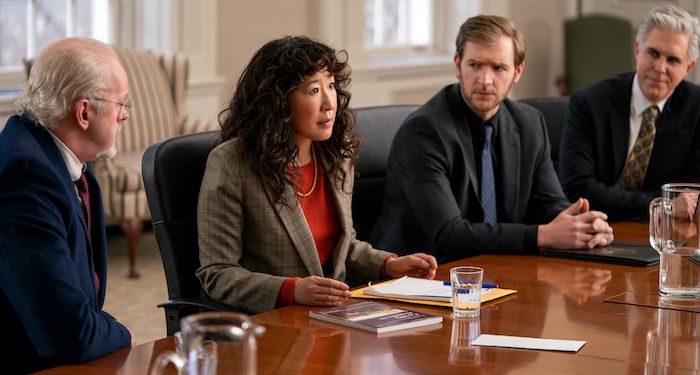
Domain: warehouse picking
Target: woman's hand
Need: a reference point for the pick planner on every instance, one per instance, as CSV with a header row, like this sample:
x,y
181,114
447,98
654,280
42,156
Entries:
x,y
414,265
320,291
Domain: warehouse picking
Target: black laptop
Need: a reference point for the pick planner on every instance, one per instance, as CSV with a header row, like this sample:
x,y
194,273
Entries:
x,y
630,254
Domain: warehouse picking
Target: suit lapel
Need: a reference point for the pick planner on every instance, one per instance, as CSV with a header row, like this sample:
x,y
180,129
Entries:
x,y
343,206
295,223
96,242
48,144
508,141
459,118
620,123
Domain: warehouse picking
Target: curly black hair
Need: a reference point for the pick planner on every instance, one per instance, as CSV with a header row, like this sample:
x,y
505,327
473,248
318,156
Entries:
x,y
259,113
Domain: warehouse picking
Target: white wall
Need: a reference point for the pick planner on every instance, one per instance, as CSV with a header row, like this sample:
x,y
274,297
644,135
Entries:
x,y
234,30
244,26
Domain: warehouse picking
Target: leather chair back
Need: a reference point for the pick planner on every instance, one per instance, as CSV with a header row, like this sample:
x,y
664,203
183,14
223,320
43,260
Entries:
x,y
377,127
172,172
554,111
596,46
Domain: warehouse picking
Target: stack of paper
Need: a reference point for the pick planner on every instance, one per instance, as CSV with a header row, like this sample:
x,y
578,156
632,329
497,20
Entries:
x,y
414,288
422,291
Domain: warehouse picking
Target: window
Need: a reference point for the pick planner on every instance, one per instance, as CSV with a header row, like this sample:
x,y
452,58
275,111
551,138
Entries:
x,y
381,32
398,23
29,25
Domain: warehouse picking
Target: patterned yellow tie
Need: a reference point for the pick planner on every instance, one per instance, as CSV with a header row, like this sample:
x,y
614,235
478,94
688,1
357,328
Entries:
x,y
636,166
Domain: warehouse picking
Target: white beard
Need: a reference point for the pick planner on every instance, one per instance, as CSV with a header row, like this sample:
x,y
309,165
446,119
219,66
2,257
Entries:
x,y
112,151
108,153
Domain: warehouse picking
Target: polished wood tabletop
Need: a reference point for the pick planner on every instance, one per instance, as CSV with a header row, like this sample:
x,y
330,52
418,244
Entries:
x,y
556,298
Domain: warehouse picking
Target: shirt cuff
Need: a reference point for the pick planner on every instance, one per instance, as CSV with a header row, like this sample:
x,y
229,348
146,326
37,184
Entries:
x,y
286,294
382,269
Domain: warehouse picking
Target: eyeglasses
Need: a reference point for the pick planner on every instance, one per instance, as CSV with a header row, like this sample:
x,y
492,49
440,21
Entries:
x,y
125,107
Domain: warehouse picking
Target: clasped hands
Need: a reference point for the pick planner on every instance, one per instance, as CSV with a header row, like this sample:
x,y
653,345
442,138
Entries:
x,y
577,227
324,291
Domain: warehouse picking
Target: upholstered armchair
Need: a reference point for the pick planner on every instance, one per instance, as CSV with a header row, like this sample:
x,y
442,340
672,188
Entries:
x,y
158,88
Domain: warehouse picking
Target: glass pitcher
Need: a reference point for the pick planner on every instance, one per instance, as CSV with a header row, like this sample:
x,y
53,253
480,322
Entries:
x,y
673,232
207,336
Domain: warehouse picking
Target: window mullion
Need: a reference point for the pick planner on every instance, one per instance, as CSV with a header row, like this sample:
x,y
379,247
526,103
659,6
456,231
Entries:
x,y
31,28
70,16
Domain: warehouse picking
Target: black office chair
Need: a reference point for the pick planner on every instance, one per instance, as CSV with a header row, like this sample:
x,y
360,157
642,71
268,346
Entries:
x,y
172,174
554,111
377,127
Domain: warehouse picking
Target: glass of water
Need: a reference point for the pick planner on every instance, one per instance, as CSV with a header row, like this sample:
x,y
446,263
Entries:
x,y
466,291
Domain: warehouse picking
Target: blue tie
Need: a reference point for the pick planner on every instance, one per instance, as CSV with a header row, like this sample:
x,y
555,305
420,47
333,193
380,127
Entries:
x,y
488,185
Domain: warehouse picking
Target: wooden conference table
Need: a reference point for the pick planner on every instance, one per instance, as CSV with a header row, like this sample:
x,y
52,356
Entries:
x,y
556,299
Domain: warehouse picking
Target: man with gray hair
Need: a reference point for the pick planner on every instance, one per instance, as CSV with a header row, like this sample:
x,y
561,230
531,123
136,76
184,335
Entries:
x,y
53,257
628,135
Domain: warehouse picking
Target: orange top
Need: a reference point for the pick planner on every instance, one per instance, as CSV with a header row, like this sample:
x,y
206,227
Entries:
x,y
321,215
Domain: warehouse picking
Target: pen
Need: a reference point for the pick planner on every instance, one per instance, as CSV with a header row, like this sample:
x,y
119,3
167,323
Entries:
x,y
488,286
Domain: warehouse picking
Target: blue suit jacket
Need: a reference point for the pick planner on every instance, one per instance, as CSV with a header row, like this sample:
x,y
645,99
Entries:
x,y
49,308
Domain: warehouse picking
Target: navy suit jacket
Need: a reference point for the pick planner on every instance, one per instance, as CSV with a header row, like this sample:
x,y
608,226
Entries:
x,y
596,138
50,310
431,195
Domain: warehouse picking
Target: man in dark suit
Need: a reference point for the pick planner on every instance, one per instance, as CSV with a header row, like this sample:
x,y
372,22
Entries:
x,y
53,257
470,171
612,152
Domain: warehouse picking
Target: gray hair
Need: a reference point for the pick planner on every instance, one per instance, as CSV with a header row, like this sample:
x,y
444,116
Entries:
x,y
672,18
64,72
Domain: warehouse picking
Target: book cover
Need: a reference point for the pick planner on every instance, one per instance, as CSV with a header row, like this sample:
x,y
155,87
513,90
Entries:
x,y
374,317
618,253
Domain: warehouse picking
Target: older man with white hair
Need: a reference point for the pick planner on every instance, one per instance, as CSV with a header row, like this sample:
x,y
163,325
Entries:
x,y
53,258
628,135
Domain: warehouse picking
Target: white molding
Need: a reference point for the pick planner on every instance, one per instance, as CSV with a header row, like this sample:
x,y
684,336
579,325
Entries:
x,y
400,82
193,33
203,98
404,78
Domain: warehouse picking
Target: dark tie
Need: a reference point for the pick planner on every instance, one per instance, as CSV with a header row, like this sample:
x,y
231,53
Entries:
x,y
488,185
636,167
84,194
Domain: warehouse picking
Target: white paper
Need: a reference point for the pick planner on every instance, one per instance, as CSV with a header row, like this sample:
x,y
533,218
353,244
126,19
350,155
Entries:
x,y
410,286
414,288
528,343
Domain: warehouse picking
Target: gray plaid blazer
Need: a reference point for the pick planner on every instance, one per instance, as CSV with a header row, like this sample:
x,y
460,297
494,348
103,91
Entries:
x,y
248,244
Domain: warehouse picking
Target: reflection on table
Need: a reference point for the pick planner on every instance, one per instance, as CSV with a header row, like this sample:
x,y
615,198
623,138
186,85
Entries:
x,y
556,298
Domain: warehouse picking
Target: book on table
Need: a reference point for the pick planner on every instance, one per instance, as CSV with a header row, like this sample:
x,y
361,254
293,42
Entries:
x,y
374,317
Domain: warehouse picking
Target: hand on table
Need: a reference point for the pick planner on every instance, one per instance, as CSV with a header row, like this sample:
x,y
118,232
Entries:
x,y
320,291
576,228
414,265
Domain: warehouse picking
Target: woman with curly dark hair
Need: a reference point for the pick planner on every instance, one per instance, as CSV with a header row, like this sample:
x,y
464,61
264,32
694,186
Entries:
x,y
274,219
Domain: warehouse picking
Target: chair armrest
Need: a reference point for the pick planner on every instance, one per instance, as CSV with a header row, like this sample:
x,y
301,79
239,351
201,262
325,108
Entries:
x,y
197,303
180,308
